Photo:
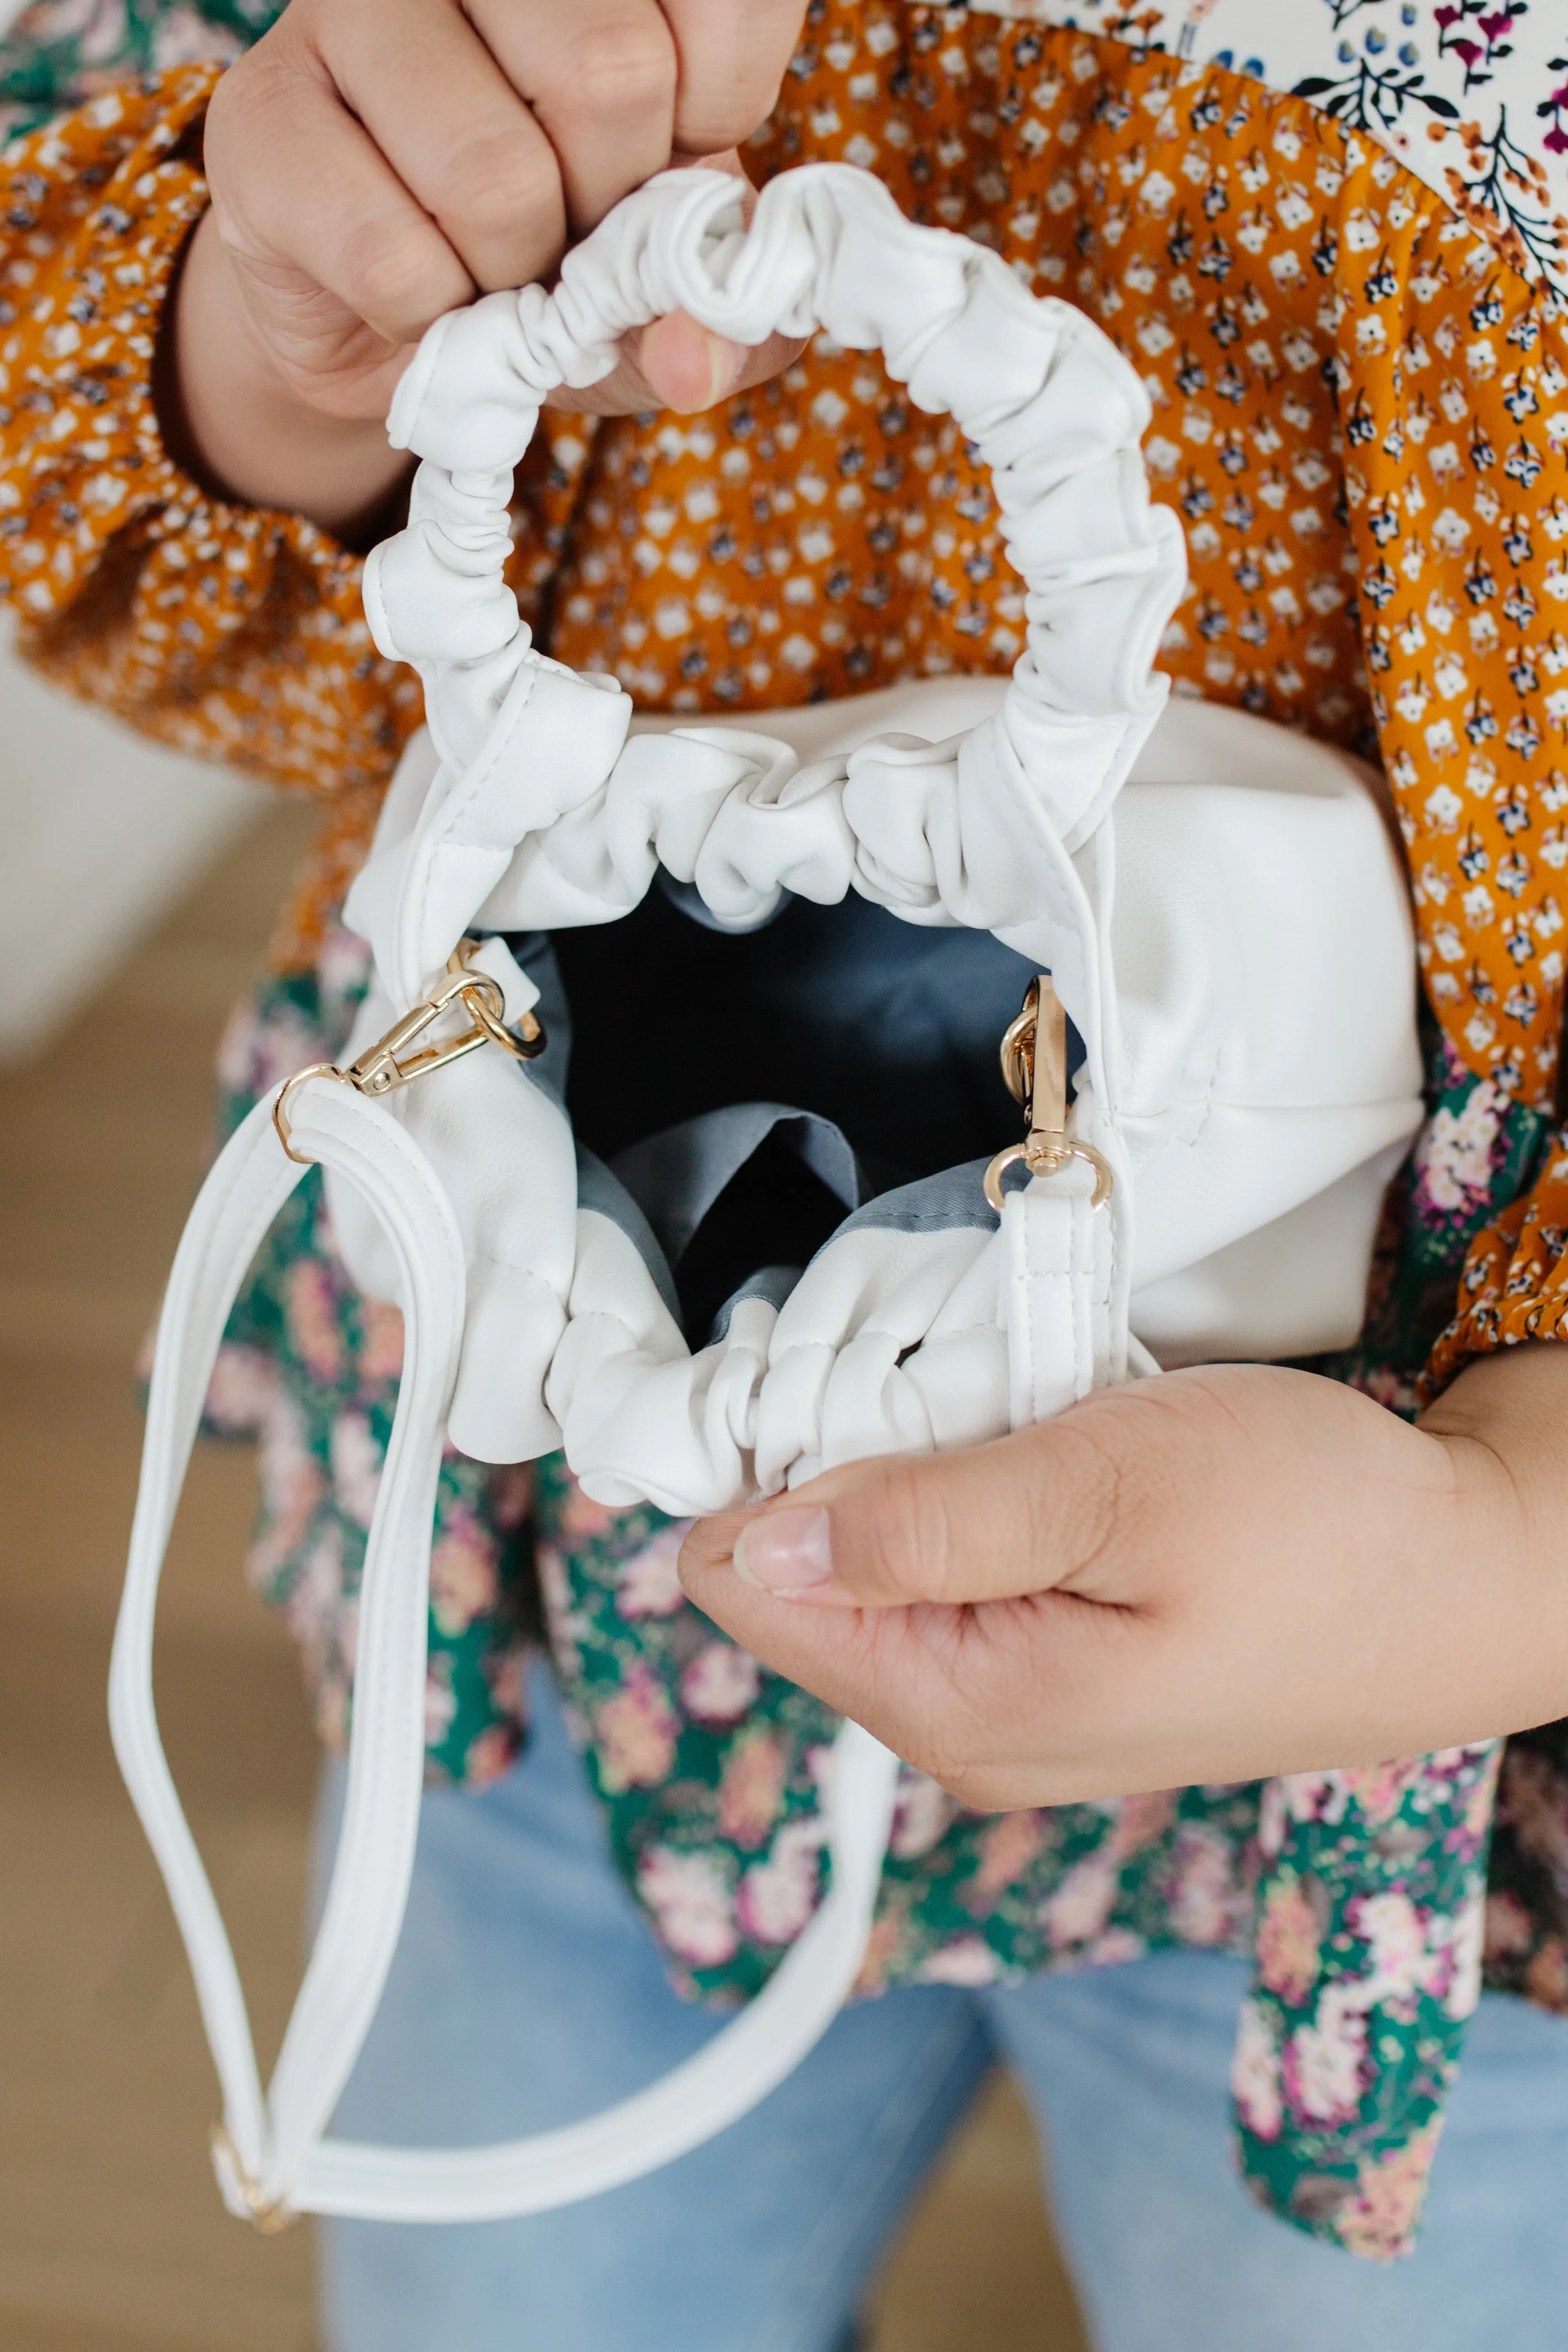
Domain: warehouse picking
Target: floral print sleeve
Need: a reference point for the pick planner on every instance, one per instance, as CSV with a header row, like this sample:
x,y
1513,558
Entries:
x,y
1515,1282
57,54
1454,387
228,633
1453,376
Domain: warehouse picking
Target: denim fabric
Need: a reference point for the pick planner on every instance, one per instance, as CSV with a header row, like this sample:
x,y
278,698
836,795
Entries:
x,y
527,1991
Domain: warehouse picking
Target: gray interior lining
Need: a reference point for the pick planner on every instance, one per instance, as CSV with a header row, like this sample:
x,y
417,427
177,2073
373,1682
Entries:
x,y
941,1203
597,1188
676,1176
773,1283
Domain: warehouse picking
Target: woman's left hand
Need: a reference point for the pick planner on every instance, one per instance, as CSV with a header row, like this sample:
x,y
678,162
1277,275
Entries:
x,y
1216,1575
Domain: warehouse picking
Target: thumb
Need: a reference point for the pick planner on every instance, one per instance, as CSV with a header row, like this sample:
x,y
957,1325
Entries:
x,y
686,367
1021,1515
676,363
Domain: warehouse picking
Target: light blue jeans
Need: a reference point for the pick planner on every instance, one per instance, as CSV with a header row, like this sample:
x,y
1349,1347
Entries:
x,y
526,1991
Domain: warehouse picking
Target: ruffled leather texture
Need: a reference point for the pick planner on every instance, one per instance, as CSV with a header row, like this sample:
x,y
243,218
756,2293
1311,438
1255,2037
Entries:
x,y
1234,1078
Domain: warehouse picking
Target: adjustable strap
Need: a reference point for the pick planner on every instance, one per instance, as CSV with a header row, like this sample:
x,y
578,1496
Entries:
x,y
1063,1294
1059,1288
271,2154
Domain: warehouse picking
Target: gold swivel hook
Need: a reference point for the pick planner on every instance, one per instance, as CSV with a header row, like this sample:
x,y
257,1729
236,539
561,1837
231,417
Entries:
x,y
381,1069
1034,1066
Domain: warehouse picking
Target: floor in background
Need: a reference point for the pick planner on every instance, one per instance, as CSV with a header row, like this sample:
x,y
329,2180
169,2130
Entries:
x,y
112,2238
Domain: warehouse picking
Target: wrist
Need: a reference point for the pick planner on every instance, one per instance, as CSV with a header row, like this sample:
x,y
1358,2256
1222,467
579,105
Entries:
x,y
241,425
1503,1424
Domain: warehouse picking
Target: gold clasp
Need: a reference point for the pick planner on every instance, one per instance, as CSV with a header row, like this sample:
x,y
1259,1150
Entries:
x,y
1034,1066
380,1068
270,2221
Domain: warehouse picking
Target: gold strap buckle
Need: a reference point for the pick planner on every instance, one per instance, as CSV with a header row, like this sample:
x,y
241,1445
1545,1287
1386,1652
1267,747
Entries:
x,y
269,2220
381,1069
1034,1066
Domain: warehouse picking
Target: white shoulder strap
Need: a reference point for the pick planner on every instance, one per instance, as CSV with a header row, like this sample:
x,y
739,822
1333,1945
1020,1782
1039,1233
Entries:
x,y
273,2158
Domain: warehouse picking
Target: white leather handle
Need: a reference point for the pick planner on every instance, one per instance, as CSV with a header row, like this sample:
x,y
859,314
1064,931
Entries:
x,y
1056,415
273,2158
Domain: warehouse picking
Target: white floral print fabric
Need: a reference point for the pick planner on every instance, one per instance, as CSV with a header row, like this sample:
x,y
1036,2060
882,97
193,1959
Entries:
x,y
1471,95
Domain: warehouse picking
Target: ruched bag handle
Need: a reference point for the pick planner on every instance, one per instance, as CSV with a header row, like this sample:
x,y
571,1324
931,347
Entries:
x,y
1054,412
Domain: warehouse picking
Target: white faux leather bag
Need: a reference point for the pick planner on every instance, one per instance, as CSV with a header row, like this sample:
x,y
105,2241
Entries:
x,y
1215,903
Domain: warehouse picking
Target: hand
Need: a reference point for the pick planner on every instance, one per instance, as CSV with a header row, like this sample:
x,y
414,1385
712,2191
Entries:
x,y
375,163
1216,1575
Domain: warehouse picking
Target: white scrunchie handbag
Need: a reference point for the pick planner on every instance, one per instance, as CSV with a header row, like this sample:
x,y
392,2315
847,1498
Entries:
x,y
1215,903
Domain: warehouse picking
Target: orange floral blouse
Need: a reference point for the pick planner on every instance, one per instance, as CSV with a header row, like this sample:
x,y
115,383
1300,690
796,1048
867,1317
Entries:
x,y
1361,414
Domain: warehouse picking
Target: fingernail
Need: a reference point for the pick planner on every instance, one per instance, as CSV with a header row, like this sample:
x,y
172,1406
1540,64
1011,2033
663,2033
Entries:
x,y
726,361
785,1551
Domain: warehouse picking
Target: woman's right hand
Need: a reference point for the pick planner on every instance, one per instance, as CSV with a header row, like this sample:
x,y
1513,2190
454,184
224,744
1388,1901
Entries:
x,y
375,163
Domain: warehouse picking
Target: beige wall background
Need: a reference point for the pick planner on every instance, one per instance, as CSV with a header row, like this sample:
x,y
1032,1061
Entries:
x,y
104,834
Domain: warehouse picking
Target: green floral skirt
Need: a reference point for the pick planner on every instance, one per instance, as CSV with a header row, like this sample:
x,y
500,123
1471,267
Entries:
x,y
1359,1895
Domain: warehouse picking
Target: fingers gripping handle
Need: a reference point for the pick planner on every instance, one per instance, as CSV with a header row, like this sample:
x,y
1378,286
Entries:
x,y
827,247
